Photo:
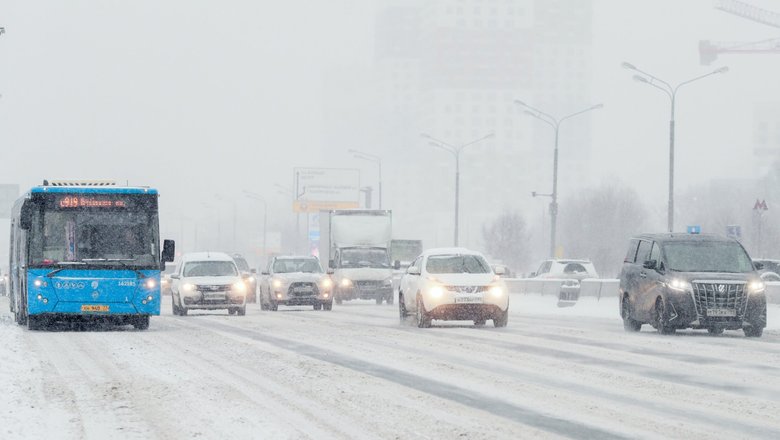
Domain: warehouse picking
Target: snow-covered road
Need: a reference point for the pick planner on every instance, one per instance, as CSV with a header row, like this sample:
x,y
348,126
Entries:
x,y
356,373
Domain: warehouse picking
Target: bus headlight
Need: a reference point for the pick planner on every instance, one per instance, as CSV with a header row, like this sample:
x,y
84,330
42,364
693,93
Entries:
x,y
150,283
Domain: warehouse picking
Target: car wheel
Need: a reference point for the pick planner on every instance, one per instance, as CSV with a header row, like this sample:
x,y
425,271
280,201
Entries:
x,y
502,319
174,307
35,322
182,311
317,306
753,331
378,300
231,311
273,306
327,306
141,322
629,324
338,299
422,317
241,311
403,314
715,330
662,318
263,303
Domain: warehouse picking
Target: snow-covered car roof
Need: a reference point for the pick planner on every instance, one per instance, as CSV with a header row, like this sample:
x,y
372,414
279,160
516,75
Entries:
x,y
450,251
206,256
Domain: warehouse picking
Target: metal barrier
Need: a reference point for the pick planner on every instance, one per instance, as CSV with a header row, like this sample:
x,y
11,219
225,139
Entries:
x,y
594,287
597,287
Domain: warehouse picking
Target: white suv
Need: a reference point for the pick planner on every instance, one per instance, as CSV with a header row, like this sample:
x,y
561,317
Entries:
x,y
208,281
452,284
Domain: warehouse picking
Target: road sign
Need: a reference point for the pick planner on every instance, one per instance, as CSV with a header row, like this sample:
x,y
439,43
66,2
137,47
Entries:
x,y
760,205
320,189
694,229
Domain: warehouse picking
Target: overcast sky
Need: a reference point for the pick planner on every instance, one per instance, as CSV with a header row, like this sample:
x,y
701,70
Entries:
x,y
207,97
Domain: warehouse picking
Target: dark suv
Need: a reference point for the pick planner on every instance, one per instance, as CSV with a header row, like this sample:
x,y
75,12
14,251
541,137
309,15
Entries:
x,y
675,281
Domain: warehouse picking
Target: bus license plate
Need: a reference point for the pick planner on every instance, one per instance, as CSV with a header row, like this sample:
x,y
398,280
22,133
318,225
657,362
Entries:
x,y
93,308
721,312
469,299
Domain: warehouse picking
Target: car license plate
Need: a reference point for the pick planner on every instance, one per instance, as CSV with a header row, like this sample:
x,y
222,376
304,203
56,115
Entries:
x,y
214,296
302,289
468,299
93,308
721,312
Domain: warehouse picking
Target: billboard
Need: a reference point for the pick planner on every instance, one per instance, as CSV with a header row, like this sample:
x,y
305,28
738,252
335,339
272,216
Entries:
x,y
8,195
319,189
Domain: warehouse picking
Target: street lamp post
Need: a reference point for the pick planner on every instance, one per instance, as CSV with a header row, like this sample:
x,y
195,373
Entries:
x,y
455,151
671,92
258,197
371,158
555,123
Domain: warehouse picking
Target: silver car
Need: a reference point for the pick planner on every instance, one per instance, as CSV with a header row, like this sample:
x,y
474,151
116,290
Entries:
x,y
295,281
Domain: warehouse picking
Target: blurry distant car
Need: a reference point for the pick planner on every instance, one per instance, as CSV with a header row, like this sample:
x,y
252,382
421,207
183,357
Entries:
x,y
295,281
165,278
249,275
769,270
208,281
452,284
572,272
502,271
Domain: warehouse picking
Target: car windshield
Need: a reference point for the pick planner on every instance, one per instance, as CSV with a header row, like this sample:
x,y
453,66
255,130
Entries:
x,y
210,269
373,258
306,265
457,264
696,256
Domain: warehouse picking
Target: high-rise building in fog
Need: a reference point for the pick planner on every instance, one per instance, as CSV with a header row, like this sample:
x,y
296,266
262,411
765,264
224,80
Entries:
x,y
452,69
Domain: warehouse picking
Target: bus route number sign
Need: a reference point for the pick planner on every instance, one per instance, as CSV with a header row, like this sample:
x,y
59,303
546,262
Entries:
x,y
89,202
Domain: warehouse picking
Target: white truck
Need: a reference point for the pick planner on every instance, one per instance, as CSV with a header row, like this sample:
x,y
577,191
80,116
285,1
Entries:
x,y
356,244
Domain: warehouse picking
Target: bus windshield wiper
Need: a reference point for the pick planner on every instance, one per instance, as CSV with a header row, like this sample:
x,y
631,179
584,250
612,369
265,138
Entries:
x,y
121,261
64,263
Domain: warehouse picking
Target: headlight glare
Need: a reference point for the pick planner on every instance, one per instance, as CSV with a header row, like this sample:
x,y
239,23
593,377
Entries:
x,y
188,287
277,283
497,291
680,285
327,283
239,287
436,291
756,286
346,282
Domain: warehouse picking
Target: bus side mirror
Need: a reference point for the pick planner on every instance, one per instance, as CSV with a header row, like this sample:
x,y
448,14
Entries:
x,y
169,251
25,219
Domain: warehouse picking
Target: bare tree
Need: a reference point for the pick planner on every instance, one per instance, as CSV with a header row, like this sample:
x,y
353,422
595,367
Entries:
x,y
598,225
506,238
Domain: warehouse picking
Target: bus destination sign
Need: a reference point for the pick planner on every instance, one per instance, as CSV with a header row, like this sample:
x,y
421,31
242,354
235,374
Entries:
x,y
72,201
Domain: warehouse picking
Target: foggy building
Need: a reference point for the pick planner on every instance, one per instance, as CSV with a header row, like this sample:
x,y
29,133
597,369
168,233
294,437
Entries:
x,y
452,69
766,136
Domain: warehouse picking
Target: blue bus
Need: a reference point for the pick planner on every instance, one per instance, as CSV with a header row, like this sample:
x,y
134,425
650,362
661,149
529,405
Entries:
x,y
86,250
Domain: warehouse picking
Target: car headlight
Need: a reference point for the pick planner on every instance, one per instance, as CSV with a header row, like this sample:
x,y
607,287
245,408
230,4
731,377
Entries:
x,y
388,282
436,291
277,283
346,282
497,291
238,287
680,285
187,287
756,287
326,283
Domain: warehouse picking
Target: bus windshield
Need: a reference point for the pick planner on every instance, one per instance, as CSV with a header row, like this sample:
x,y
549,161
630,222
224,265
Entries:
x,y
77,236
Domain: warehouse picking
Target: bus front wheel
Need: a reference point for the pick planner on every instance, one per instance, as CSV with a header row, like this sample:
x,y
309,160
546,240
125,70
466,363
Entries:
x,y
141,322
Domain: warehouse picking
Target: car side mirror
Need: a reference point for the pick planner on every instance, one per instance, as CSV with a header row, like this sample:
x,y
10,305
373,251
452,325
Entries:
x,y
649,264
169,252
397,264
413,270
175,276
500,270
758,266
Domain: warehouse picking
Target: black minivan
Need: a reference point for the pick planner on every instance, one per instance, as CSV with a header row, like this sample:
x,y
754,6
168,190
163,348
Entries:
x,y
702,281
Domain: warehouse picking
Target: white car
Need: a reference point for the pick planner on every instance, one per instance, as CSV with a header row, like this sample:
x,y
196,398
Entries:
x,y
208,281
452,284
295,281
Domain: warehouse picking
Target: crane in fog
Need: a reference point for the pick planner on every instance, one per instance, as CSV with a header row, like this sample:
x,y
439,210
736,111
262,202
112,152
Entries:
x,y
709,50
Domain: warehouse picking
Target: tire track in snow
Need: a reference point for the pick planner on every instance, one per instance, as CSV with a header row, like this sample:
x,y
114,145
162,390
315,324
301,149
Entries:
x,y
443,390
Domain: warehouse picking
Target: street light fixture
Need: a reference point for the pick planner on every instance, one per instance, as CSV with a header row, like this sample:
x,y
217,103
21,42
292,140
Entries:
x,y
555,123
671,92
258,197
371,158
455,151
